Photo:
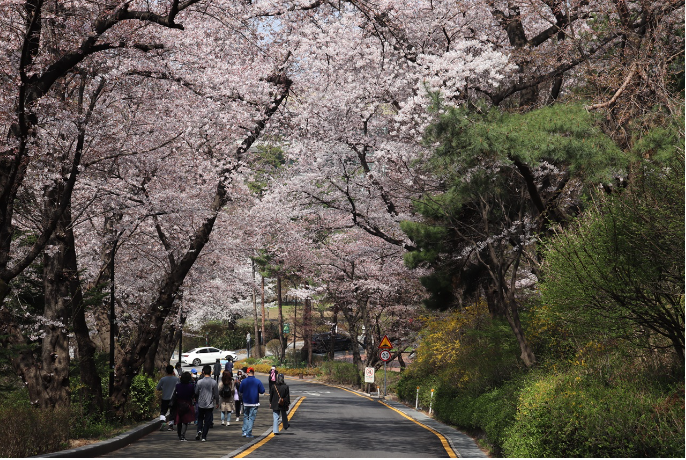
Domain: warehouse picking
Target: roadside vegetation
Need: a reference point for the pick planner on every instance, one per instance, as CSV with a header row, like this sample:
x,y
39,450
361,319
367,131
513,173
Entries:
x,y
595,366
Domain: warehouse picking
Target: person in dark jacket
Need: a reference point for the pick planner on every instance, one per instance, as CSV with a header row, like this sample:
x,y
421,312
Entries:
x,y
280,393
217,374
185,412
229,365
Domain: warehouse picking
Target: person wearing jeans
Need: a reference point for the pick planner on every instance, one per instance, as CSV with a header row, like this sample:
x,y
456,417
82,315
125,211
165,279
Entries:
x,y
279,391
251,389
207,394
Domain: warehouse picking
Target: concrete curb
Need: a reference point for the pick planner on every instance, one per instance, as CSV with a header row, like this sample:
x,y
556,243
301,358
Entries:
x,y
108,446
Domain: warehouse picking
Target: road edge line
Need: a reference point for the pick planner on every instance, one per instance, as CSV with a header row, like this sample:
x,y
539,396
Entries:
x,y
245,451
444,441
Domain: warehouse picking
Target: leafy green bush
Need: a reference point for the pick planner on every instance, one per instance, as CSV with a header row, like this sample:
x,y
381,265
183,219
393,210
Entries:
x,y
571,415
274,347
493,412
339,372
143,401
406,389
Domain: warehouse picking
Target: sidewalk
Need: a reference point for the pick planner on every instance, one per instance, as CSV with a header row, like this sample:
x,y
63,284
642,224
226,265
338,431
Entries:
x,y
222,441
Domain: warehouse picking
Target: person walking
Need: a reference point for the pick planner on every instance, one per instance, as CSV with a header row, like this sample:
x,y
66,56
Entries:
x,y
207,395
166,385
217,370
226,398
251,389
229,364
194,378
272,377
236,394
279,401
185,410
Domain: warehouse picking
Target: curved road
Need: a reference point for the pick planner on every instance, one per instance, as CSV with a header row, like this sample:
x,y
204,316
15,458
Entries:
x,y
332,422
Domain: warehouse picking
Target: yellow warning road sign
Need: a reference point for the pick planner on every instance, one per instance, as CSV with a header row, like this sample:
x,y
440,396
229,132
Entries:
x,y
385,343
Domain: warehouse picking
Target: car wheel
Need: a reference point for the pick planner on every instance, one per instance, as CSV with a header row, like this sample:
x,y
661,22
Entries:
x,y
197,362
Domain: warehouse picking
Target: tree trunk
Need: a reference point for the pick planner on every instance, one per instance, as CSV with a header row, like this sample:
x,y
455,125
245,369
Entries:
x,y
149,328
282,342
55,346
307,329
527,353
258,348
264,331
165,348
152,320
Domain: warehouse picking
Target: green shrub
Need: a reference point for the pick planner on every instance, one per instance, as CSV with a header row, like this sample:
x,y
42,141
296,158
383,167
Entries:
x,y
493,412
143,402
274,347
340,372
568,415
406,389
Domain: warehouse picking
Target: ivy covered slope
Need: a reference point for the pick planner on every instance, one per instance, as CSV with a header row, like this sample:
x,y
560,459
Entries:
x,y
558,260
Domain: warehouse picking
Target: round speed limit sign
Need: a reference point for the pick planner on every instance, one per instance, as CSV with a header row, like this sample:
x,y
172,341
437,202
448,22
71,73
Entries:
x,y
385,355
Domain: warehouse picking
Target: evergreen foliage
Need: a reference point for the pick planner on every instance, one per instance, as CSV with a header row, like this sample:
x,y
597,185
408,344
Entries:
x,y
484,197
620,269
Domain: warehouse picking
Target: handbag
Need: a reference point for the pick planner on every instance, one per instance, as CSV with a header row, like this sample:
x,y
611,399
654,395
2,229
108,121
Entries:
x,y
282,403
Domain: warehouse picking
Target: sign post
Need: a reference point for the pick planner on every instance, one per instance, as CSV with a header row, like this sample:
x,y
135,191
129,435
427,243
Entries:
x,y
385,356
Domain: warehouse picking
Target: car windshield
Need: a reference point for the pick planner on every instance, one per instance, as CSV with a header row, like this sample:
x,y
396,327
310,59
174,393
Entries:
x,y
190,351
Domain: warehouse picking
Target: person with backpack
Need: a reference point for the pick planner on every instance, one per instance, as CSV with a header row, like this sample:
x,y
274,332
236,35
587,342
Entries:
x,y
185,410
226,398
279,401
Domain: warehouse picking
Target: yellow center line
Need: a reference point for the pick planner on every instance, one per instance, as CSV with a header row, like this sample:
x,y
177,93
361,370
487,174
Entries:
x,y
256,446
444,441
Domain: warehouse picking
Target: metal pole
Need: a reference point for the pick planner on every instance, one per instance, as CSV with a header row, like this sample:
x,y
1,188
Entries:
x,y
384,378
180,342
416,401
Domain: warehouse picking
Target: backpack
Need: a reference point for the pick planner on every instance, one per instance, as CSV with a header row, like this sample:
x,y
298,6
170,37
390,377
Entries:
x,y
226,392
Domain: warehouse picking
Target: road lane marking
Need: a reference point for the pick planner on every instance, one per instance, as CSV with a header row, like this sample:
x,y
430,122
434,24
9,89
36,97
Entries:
x,y
262,442
345,389
444,441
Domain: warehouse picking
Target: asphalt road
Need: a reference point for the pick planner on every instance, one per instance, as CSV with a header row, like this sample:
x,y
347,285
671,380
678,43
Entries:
x,y
326,422
331,422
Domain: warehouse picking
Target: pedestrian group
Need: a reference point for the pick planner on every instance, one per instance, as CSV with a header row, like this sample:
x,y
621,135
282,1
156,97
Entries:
x,y
191,399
